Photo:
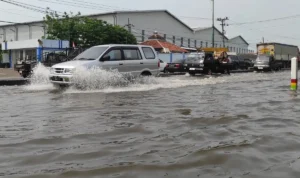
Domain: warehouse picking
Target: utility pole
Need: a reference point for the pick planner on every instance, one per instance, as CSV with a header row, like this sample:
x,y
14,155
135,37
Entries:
x,y
213,23
223,30
129,25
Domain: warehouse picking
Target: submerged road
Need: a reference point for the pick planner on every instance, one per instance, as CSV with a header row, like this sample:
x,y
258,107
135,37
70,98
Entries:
x,y
243,125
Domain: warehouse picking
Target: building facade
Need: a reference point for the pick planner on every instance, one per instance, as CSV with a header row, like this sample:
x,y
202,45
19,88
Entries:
x,y
142,24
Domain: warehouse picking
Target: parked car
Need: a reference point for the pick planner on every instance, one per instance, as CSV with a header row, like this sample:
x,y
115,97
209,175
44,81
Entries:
x,y
162,67
267,63
176,66
204,63
236,61
249,63
195,63
138,60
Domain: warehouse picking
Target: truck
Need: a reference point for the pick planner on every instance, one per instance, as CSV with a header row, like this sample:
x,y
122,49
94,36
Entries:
x,y
274,56
207,61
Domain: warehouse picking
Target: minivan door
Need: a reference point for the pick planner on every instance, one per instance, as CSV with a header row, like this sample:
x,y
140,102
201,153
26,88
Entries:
x,y
133,60
150,60
113,59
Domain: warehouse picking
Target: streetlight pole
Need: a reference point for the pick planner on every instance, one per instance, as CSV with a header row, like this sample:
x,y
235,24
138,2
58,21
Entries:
x,y
213,23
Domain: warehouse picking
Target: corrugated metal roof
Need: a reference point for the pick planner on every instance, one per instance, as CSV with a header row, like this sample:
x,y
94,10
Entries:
x,y
240,38
109,13
206,28
201,28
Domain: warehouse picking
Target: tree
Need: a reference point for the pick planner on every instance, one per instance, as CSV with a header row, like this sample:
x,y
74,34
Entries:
x,y
84,31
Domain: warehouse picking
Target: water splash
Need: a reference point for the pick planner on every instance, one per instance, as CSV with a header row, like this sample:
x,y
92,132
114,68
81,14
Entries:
x,y
97,78
39,79
109,81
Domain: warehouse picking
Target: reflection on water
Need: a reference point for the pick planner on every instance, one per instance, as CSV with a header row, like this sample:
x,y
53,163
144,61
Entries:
x,y
244,125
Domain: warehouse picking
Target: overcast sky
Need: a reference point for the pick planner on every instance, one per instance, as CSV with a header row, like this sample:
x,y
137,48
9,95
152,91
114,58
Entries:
x,y
192,12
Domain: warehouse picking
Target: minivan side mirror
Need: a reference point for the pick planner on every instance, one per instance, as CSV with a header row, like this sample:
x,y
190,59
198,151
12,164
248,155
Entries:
x,y
105,58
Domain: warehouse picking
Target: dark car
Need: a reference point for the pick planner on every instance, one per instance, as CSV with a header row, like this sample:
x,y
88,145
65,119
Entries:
x,y
249,63
206,64
195,63
235,62
175,66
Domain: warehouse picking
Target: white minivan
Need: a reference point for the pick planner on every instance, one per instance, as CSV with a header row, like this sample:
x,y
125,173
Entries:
x,y
138,60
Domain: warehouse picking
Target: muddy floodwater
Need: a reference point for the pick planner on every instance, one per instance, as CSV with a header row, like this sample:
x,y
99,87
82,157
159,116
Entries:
x,y
243,125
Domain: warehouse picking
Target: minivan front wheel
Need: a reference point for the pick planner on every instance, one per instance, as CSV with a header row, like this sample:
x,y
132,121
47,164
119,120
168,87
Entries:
x,y
145,74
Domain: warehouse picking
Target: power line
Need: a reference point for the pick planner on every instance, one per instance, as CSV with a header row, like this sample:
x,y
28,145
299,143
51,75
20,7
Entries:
x,y
28,6
80,4
277,35
198,18
91,3
5,10
267,20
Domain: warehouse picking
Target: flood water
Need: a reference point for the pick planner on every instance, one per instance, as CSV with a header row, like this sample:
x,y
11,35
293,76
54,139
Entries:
x,y
243,125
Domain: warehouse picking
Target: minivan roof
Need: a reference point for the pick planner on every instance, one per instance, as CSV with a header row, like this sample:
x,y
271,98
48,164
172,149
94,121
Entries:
x,y
128,45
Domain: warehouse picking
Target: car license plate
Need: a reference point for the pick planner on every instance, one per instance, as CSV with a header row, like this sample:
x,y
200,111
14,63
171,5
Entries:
x,y
192,69
260,67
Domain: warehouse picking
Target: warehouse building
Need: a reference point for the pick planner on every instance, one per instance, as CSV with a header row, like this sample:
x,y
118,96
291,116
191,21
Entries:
x,y
142,24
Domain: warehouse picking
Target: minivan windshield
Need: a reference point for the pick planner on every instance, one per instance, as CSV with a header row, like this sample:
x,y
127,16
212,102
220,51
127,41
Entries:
x,y
91,53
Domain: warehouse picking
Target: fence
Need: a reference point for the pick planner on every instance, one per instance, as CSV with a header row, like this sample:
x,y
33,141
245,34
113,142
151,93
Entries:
x,y
190,40
171,57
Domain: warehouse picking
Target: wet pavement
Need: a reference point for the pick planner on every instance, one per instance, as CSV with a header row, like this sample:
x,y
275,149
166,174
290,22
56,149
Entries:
x,y
243,125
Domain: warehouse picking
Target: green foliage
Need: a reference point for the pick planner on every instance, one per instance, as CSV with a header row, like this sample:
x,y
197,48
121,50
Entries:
x,y
84,31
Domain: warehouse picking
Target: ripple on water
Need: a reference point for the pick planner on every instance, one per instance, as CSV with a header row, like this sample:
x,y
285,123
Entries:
x,y
244,125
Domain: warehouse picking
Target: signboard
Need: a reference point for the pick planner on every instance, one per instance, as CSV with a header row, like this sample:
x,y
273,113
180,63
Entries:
x,y
266,49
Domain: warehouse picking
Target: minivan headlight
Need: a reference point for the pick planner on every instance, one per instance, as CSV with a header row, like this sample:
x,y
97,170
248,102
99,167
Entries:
x,y
52,70
69,70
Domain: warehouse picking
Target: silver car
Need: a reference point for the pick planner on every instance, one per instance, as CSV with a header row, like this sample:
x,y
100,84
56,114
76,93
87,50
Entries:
x,y
136,60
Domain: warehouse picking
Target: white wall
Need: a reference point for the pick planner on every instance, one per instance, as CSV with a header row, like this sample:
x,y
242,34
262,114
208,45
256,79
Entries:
x,y
24,32
33,43
206,36
238,45
161,22
107,18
